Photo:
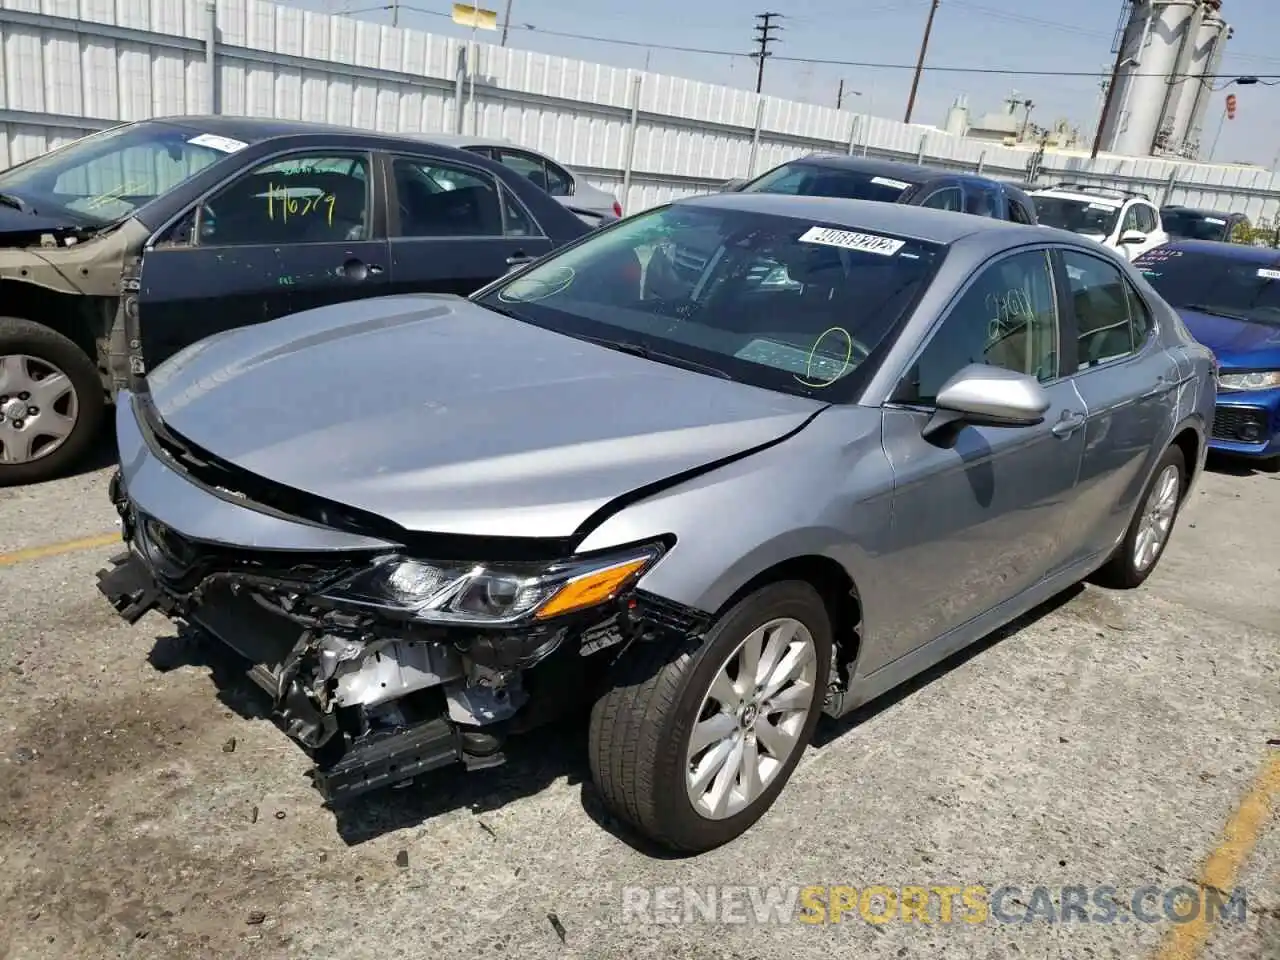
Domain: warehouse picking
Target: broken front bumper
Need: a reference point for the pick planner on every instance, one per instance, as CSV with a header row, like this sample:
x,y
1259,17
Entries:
x,y
392,751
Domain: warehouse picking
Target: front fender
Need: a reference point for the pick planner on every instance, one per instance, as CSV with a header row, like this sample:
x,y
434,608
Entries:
x,y
826,492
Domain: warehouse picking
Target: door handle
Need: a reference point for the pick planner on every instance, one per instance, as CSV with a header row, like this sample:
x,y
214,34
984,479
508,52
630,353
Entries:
x,y
517,259
358,270
1162,386
1068,424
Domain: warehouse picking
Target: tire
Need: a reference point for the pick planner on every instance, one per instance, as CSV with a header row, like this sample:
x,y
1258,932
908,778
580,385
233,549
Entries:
x,y
641,727
44,350
1124,571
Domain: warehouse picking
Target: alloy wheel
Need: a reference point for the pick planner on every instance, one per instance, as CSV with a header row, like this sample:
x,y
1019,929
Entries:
x,y
751,718
1157,518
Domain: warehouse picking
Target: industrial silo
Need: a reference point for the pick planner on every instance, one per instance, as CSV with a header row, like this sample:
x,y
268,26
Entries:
x,y
1211,42
1149,45
1180,88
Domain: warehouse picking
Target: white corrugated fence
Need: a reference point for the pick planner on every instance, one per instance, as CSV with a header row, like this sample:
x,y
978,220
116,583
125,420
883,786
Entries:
x,y
68,67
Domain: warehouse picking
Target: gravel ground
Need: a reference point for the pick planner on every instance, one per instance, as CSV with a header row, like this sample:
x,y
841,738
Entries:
x,y
147,809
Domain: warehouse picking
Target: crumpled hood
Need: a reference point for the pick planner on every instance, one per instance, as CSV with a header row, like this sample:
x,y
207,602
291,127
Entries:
x,y
1237,344
442,416
18,225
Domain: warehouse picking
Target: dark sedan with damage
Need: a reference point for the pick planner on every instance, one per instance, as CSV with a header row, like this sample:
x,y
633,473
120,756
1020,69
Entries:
x,y
122,247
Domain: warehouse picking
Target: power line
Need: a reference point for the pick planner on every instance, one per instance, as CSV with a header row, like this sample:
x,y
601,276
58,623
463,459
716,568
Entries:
x,y
816,61
764,38
924,49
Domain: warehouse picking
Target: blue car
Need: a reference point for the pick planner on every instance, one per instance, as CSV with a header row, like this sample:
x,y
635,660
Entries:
x,y
1228,295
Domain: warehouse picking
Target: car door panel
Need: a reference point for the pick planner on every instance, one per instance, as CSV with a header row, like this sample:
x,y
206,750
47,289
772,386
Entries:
x,y
976,523
287,235
983,516
1125,393
454,228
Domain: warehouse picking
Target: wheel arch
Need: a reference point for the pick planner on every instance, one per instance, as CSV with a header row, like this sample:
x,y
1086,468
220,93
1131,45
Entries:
x,y
1189,437
834,584
71,315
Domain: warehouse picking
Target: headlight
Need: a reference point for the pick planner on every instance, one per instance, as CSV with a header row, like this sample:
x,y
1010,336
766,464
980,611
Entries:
x,y
1249,381
492,595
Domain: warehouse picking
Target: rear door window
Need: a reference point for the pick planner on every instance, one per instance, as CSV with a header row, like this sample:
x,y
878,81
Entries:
x,y
1103,306
439,199
981,200
945,198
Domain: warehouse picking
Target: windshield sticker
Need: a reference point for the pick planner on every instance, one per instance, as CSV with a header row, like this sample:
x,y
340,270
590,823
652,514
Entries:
x,y
1268,274
1215,220
846,240
886,182
1101,206
215,142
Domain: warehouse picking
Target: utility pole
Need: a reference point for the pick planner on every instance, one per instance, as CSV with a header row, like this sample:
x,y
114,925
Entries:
x,y
840,94
1107,100
506,24
764,38
924,48
395,13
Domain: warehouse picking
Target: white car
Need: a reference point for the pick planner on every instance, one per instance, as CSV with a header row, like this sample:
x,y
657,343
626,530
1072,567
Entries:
x,y
591,204
1127,222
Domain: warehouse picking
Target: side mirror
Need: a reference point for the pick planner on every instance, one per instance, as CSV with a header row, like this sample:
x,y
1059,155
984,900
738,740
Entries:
x,y
988,396
731,186
1132,236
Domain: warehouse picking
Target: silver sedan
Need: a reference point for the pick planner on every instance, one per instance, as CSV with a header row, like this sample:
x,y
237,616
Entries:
x,y
716,469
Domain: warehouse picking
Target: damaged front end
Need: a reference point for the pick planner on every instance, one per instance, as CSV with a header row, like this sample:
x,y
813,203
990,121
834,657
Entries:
x,y
384,665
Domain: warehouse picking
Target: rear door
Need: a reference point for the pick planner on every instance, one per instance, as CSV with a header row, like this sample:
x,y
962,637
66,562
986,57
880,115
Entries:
x,y
454,227
1125,379
295,231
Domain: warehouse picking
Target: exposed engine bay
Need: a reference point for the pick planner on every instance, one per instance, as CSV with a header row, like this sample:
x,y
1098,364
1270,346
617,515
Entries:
x,y
383,666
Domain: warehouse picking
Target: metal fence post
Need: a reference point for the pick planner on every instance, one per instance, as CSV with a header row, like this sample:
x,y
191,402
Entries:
x,y
854,127
755,138
866,137
636,82
1169,188
924,140
459,80
982,162
211,53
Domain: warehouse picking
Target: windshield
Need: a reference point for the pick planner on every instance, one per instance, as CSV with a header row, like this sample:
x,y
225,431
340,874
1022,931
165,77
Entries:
x,y
786,304
104,177
1210,283
1194,225
1078,216
816,180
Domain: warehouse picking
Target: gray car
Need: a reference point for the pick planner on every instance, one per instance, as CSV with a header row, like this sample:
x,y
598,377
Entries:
x,y
591,204
714,500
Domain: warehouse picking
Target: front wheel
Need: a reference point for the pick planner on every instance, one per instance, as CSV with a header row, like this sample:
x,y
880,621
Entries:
x,y
1149,530
51,402
691,746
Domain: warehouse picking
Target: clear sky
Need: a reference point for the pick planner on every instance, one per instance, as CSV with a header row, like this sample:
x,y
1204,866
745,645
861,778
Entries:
x,y
1070,35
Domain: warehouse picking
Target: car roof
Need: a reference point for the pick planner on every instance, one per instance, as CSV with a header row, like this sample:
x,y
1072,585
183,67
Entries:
x,y
1231,251
256,129
905,220
1202,212
1083,195
913,173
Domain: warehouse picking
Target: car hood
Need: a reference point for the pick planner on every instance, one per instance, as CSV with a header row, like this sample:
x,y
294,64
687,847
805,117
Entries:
x,y
442,416
1236,343
18,228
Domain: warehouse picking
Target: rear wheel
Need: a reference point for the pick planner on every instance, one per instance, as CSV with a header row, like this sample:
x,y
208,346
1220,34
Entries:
x,y
692,746
1149,530
51,402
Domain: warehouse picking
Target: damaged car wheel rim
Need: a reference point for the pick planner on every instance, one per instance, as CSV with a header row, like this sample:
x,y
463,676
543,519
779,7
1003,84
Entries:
x,y
1157,518
751,718
38,408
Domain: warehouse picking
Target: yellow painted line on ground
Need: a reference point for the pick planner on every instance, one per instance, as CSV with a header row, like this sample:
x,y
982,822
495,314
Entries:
x,y
1186,941
55,549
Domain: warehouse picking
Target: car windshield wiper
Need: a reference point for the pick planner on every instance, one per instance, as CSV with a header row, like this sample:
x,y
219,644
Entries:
x,y
1219,312
640,350
12,200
